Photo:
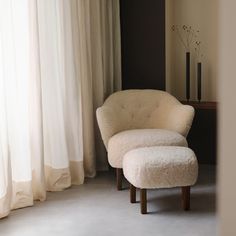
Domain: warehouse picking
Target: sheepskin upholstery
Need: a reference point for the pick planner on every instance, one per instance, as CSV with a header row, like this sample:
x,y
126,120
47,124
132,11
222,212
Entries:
x,y
160,167
141,109
121,143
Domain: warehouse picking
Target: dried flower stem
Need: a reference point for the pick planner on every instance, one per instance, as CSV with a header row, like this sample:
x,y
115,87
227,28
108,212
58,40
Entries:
x,y
198,51
186,35
181,38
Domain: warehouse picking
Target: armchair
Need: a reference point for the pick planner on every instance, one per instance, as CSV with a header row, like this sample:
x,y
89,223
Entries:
x,y
131,119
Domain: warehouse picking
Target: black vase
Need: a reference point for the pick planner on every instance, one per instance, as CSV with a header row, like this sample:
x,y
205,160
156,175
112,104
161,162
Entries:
x,y
187,76
199,81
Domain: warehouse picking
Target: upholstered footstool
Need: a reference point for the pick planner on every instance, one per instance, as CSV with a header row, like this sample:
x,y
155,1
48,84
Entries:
x,y
160,167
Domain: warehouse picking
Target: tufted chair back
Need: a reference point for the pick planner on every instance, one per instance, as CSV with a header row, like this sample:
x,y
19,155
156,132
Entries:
x,y
143,109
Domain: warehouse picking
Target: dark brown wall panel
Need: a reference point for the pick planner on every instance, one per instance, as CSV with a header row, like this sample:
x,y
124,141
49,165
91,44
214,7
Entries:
x,y
143,43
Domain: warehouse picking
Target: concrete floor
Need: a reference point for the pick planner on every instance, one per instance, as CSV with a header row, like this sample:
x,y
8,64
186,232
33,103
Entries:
x,y
96,208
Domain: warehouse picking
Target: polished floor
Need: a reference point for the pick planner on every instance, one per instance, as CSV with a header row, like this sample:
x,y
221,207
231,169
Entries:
x,y
96,208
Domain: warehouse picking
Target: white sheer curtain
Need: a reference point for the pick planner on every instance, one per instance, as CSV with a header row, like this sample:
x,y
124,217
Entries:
x,y
59,59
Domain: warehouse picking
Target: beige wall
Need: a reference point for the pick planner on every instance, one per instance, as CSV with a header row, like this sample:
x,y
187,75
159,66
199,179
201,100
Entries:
x,y
216,20
227,124
202,15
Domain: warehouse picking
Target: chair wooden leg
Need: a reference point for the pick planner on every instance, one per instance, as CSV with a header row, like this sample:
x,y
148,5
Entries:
x,y
119,178
143,201
186,198
132,194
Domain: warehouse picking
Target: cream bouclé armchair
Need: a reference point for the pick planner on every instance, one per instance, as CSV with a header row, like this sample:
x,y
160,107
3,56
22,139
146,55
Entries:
x,y
131,119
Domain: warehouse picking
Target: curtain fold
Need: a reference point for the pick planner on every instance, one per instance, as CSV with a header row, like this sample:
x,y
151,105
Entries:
x,y
59,60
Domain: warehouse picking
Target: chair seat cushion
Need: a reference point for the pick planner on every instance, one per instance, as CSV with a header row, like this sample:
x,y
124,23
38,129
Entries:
x,y
125,141
160,167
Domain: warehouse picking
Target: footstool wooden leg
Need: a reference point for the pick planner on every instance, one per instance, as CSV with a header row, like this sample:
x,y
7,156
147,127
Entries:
x,y
143,201
119,178
186,198
132,193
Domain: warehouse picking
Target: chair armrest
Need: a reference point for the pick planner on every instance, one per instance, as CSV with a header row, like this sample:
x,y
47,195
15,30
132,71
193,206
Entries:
x,y
181,118
109,123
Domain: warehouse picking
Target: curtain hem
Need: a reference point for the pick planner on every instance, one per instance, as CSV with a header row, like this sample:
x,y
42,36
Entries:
x,y
60,179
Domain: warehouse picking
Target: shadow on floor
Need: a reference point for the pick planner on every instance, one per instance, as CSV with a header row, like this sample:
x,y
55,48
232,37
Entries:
x,y
201,202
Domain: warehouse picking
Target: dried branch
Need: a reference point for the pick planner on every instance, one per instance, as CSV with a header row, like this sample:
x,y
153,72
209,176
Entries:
x,y
186,35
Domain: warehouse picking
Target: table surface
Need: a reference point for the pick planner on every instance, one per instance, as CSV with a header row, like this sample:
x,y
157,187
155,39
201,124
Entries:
x,y
201,105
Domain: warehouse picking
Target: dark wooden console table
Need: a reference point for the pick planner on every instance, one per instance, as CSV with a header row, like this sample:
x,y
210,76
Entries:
x,y
202,137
